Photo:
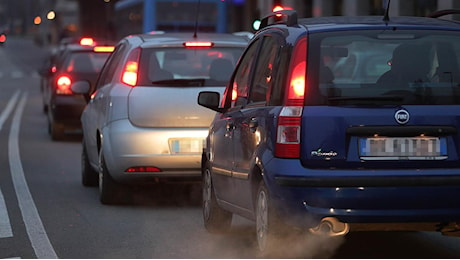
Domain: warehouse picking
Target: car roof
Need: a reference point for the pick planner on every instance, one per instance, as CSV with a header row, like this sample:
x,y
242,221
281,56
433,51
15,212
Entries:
x,y
177,39
337,22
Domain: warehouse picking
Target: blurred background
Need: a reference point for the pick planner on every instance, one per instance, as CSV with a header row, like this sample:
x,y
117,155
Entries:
x,y
49,21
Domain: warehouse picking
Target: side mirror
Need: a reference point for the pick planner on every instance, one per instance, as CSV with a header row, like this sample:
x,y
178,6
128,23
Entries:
x,y
81,87
210,99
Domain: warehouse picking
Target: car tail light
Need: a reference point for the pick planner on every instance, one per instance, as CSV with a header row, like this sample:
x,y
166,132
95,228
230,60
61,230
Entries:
x,y
87,41
63,85
2,38
131,68
288,132
200,44
143,169
103,48
290,118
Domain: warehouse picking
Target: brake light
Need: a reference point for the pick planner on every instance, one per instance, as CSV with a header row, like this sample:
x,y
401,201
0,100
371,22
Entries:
x,y
86,41
103,48
198,44
2,38
290,117
298,74
63,85
143,169
131,68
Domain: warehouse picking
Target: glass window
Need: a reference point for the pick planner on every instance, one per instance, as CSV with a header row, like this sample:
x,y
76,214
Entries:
x,y
86,62
384,67
240,84
201,66
263,76
110,67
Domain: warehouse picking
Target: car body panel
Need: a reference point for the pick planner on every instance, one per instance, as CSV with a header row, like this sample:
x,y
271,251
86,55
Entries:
x,y
336,174
151,124
147,107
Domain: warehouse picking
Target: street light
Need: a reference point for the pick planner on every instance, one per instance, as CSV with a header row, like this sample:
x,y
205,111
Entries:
x,y
37,20
51,15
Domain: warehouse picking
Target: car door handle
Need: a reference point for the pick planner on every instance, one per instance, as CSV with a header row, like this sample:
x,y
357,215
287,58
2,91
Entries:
x,y
253,124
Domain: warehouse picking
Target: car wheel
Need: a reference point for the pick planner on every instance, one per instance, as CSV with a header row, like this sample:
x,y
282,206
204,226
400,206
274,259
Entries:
x,y
56,131
268,226
110,191
216,220
89,177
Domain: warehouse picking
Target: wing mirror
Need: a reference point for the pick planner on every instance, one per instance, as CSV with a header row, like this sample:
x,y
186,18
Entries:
x,y
210,99
82,87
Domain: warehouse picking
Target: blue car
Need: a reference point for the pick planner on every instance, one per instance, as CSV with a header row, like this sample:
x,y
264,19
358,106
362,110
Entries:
x,y
333,125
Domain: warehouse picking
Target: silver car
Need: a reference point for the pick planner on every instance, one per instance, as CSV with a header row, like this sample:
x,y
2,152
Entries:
x,y
142,123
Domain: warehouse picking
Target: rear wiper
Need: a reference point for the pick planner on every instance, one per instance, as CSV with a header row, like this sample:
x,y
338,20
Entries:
x,y
181,82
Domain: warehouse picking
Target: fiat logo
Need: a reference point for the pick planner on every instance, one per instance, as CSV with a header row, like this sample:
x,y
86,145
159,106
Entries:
x,y
402,116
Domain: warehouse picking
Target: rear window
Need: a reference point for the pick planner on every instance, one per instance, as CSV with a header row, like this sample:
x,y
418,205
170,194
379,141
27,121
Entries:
x,y
187,67
384,68
86,62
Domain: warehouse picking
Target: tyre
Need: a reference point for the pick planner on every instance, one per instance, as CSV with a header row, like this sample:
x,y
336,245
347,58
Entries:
x,y
89,176
216,220
110,191
268,226
56,131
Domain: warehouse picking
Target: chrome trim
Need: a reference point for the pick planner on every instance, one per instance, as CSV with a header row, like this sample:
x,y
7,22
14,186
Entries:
x,y
241,175
221,171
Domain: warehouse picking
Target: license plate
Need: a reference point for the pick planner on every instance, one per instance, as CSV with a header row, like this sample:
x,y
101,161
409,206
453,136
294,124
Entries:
x,y
403,148
186,145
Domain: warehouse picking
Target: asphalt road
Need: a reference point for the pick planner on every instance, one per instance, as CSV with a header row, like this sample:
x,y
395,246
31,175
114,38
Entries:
x,y
45,212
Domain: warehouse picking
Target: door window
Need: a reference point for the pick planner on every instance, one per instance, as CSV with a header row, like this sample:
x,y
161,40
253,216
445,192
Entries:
x,y
263,76
240,84
109,68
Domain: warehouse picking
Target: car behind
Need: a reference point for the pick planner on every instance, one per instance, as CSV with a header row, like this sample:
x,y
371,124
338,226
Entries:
x,y
72,62
142,124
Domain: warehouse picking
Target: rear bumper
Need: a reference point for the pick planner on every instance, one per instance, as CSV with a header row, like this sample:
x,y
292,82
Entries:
x,y
126,146
67,109
305,196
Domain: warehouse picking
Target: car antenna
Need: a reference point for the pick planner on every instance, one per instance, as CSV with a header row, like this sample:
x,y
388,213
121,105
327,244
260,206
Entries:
x,y
386,17
196,18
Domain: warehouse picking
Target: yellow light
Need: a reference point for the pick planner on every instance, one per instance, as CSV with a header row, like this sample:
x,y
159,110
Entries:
x,y
103,48
86,41
51,15
130,74
37,20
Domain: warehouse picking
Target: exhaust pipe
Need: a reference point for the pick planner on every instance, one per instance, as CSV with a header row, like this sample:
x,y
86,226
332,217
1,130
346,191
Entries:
x,y
330,226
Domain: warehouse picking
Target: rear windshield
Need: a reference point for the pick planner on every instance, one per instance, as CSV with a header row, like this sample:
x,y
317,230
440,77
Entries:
x,y
85,62
384,68
187,67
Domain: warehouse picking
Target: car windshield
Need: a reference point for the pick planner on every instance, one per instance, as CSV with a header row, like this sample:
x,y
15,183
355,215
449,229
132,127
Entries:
x,y
86,62
386,68
188,67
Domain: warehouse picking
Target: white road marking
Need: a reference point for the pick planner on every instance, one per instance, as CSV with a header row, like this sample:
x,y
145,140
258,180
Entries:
x,y
34,226
17,74
9,107
5,225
